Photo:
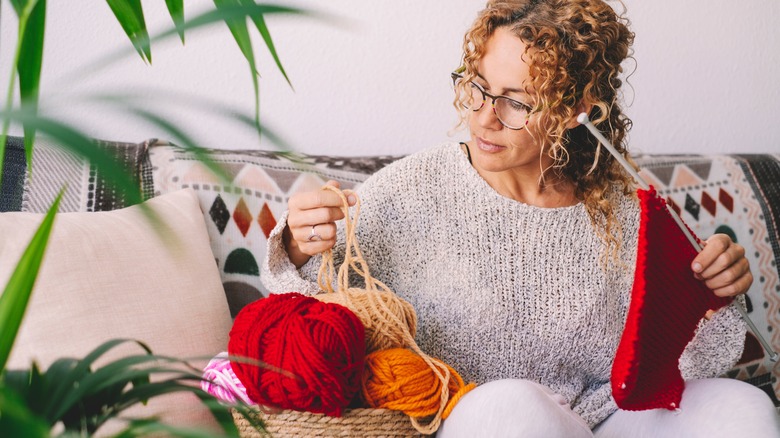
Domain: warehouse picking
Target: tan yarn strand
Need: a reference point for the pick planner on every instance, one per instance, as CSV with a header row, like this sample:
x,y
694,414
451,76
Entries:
x,y
377,304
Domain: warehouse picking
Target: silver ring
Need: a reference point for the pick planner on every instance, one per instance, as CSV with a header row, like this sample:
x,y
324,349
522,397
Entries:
x,y
313,236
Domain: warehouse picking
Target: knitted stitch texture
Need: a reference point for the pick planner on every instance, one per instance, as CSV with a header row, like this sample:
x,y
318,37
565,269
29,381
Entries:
x,y
503,289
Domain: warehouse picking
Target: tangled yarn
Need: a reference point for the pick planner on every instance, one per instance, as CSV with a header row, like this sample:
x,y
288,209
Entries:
x,y
390,321
401,380
312,353
382,328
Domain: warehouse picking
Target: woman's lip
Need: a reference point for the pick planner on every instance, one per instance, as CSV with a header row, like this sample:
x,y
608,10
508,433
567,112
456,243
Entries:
x,y
488,147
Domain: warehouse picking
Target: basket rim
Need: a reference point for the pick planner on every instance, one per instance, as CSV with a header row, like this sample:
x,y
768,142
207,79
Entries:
x,y
355,422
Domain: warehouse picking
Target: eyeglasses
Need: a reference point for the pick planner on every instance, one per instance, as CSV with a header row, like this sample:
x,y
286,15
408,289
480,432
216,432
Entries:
x,y
511,113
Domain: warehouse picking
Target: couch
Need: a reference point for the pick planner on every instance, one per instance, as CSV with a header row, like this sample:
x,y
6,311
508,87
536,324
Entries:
x,y
115,275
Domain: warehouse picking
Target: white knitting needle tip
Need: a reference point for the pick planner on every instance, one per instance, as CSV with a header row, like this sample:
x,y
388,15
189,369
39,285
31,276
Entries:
x,y
584,120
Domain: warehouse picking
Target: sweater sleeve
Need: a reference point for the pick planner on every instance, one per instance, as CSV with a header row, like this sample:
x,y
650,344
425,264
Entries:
x,y
279,275
717,345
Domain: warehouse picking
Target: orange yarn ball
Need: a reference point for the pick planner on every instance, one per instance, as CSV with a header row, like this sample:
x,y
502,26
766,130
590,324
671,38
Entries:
x,y
401,380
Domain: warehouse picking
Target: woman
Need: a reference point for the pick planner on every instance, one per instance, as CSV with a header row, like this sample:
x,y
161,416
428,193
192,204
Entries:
x,y
517,248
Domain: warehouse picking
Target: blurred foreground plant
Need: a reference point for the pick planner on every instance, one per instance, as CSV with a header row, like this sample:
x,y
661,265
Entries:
x,y
72,397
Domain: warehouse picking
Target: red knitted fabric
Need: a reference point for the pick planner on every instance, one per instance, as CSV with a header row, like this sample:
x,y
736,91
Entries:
x,y
315,351
667,303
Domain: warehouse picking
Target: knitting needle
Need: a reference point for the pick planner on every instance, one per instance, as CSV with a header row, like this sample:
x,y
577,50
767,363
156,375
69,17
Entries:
x,y
584,120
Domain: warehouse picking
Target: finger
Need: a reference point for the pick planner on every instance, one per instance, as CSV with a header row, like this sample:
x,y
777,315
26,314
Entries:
x,y
314,199
319,238
713,247
351,199
314,248
738,287
307,218
733,254
304,235
728,275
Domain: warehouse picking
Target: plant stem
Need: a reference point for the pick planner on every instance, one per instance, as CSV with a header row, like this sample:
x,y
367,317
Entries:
x,y
9,101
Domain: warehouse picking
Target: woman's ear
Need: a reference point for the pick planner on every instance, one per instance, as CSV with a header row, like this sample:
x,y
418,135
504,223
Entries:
x,y
582,107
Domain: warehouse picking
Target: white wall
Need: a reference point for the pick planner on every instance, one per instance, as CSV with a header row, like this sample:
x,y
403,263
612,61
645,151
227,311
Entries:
x,y
707,75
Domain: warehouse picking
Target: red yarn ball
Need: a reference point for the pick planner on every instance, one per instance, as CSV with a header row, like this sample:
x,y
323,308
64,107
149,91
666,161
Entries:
x,y
319,346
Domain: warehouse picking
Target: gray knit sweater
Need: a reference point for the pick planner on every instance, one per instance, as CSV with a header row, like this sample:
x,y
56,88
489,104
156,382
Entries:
x,y
503,289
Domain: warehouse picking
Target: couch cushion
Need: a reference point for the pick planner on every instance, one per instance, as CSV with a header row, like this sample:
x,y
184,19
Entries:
x,y
738,195
112,275
240,213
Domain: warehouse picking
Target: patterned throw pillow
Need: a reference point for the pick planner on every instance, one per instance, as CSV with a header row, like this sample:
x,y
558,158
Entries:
x,y
240,213
54,168
738,195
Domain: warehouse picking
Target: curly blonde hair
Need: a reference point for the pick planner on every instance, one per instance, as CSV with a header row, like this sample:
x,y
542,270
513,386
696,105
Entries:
x,y
574,49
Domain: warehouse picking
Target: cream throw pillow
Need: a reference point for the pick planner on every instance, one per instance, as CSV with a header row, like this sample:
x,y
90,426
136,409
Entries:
x,y
110,275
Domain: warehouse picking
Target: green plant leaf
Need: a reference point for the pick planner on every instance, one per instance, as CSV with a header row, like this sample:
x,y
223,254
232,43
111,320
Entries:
x,y
84,399
240,33
29,68
151,427
123,102
251,415
16,419
186,141
66,381
259,21
120,372
18,5
239,30
219,411
130,15
227,12
16,295
23,10
222,14
31,385
176,9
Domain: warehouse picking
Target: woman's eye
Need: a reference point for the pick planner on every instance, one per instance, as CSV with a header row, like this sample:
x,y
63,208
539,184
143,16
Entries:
x,y
515,105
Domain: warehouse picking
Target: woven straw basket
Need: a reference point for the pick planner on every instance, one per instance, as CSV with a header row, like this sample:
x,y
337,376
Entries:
x,y
353,423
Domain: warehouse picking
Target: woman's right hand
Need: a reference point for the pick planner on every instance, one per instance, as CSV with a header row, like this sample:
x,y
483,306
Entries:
x,y
311,223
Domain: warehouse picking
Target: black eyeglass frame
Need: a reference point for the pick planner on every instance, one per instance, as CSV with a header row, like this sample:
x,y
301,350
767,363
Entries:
x,y
456,76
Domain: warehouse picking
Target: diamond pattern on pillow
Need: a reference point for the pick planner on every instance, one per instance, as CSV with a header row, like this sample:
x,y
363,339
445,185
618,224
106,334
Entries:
x,y
241,213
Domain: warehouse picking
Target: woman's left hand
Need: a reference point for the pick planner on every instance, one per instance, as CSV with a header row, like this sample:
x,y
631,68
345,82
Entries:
x,y
723,267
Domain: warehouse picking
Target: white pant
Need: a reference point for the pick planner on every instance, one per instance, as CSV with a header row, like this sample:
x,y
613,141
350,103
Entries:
x,y
711,408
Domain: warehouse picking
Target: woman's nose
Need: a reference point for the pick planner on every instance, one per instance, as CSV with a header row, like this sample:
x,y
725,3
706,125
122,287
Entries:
x,y
486,116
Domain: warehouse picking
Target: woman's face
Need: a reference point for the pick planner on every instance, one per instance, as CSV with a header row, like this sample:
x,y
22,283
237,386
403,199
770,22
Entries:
x,y
496,148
